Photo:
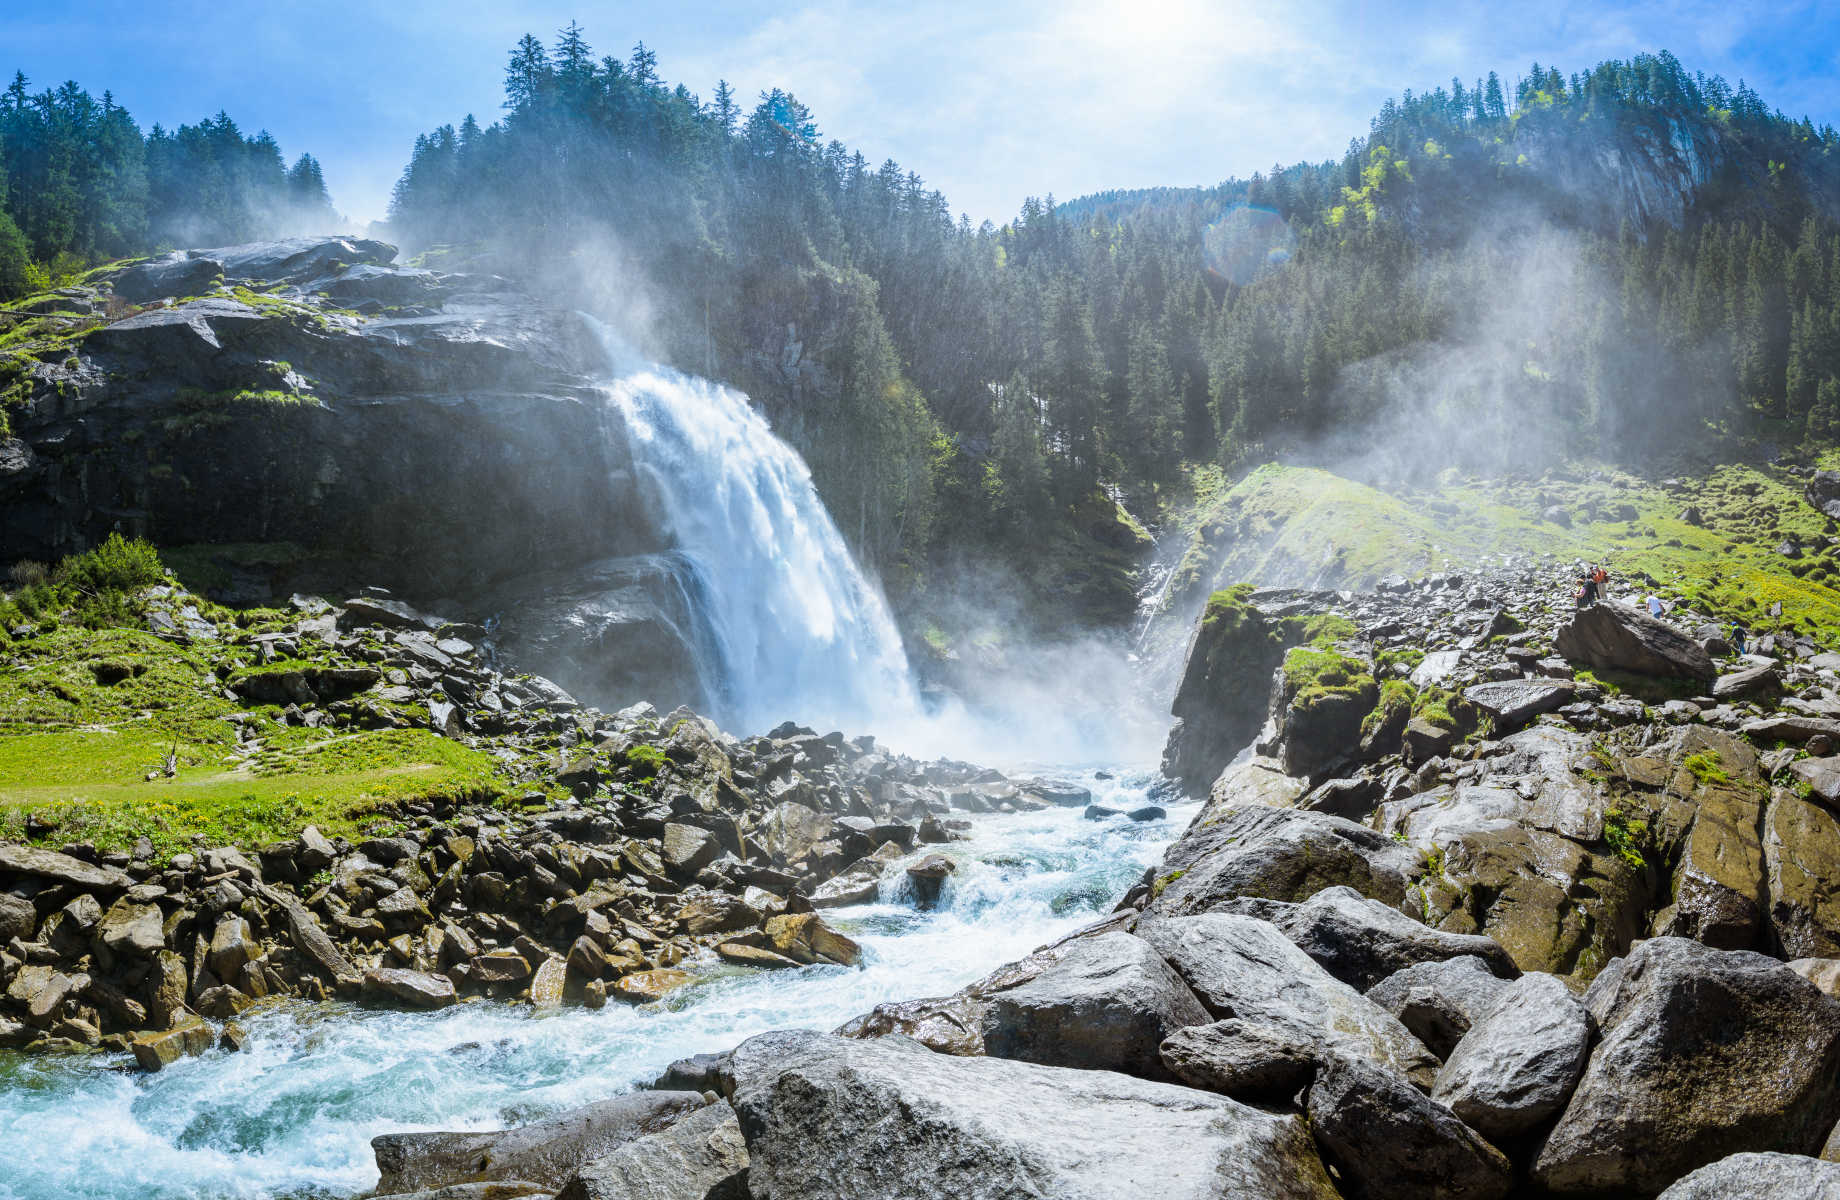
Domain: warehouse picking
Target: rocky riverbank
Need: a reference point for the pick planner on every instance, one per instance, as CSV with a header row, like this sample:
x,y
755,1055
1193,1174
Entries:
x,y
605,858
1506,901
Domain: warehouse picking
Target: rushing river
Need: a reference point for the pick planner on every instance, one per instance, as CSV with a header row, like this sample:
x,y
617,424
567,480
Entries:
x,y
292,1114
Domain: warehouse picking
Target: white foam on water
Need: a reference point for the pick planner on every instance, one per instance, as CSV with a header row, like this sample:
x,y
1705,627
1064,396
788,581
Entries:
x,y
292,1114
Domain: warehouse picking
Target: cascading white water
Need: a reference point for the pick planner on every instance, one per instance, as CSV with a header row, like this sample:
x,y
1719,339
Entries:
x,y
800,632
291,1115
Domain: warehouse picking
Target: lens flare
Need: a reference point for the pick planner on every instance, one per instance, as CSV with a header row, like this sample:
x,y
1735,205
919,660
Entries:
x,y
1246,242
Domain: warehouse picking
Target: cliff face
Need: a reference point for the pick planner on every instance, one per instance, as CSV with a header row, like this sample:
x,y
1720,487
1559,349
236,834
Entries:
x,y
415,447
1649,169
302,415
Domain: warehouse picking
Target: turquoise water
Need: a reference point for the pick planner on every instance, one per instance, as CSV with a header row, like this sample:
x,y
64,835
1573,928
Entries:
x,y
292,1114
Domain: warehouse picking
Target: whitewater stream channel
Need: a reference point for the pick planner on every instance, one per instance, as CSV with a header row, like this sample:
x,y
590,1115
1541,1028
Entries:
x,y
292,1113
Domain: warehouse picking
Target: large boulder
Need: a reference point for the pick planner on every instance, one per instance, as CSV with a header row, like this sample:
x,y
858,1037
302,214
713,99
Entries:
x,y
1801,853
1511,703
1242,1059
1106,1005
791,829
177,274
700,1157
1760,1176
132,929
1381,1131
1362,941
39,863
545,1152
1621,638
830,1118
1245,968
1517,1066
805,938
1719,890
1823,491
1704,1053
1277,854
413,989
1440,1001
956,1024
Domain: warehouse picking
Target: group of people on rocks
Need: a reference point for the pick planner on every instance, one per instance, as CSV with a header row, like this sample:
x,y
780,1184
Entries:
x,y
1591,588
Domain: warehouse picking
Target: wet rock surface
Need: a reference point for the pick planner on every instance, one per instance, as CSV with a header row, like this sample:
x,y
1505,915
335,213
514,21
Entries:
x,y
661,845
835,1117
1702,1053
1514,952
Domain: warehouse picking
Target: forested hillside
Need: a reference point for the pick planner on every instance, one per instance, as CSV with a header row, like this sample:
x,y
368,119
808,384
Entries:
x,y
1635,263
1632,262
80,184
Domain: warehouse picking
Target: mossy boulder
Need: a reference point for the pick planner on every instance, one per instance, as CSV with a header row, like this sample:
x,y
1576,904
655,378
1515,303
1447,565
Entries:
x,y
1323,697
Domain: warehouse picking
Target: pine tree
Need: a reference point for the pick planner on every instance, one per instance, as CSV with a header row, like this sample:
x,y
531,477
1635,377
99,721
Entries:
x,y
528,77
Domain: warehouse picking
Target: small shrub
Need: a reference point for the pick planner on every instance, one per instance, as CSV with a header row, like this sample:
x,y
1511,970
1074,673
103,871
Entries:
x,y
1625,834
118,565
26,574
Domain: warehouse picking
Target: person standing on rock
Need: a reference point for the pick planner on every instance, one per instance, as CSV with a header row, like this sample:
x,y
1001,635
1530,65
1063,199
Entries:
x,y
1655,607
1586,595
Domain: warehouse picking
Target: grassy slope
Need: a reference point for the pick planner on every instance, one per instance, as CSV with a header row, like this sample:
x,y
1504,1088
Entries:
x,y
77,749
1307,527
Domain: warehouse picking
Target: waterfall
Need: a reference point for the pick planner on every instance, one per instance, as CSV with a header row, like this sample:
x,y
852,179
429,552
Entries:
x,y
800,633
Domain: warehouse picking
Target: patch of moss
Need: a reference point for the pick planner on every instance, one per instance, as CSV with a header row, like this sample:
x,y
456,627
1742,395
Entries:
x,y
1437,706
1314,675
1395,694
1391,661
1707,767
1317,629
114,733
93,783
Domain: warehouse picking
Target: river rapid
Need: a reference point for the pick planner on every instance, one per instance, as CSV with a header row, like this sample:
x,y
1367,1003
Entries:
x,y
292,1113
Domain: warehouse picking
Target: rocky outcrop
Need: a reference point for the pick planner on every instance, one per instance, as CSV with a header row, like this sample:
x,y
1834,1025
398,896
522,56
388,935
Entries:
x,y
546,1153
1217,715
281,415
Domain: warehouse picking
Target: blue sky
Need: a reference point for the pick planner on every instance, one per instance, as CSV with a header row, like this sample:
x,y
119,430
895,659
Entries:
x,y
990,101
